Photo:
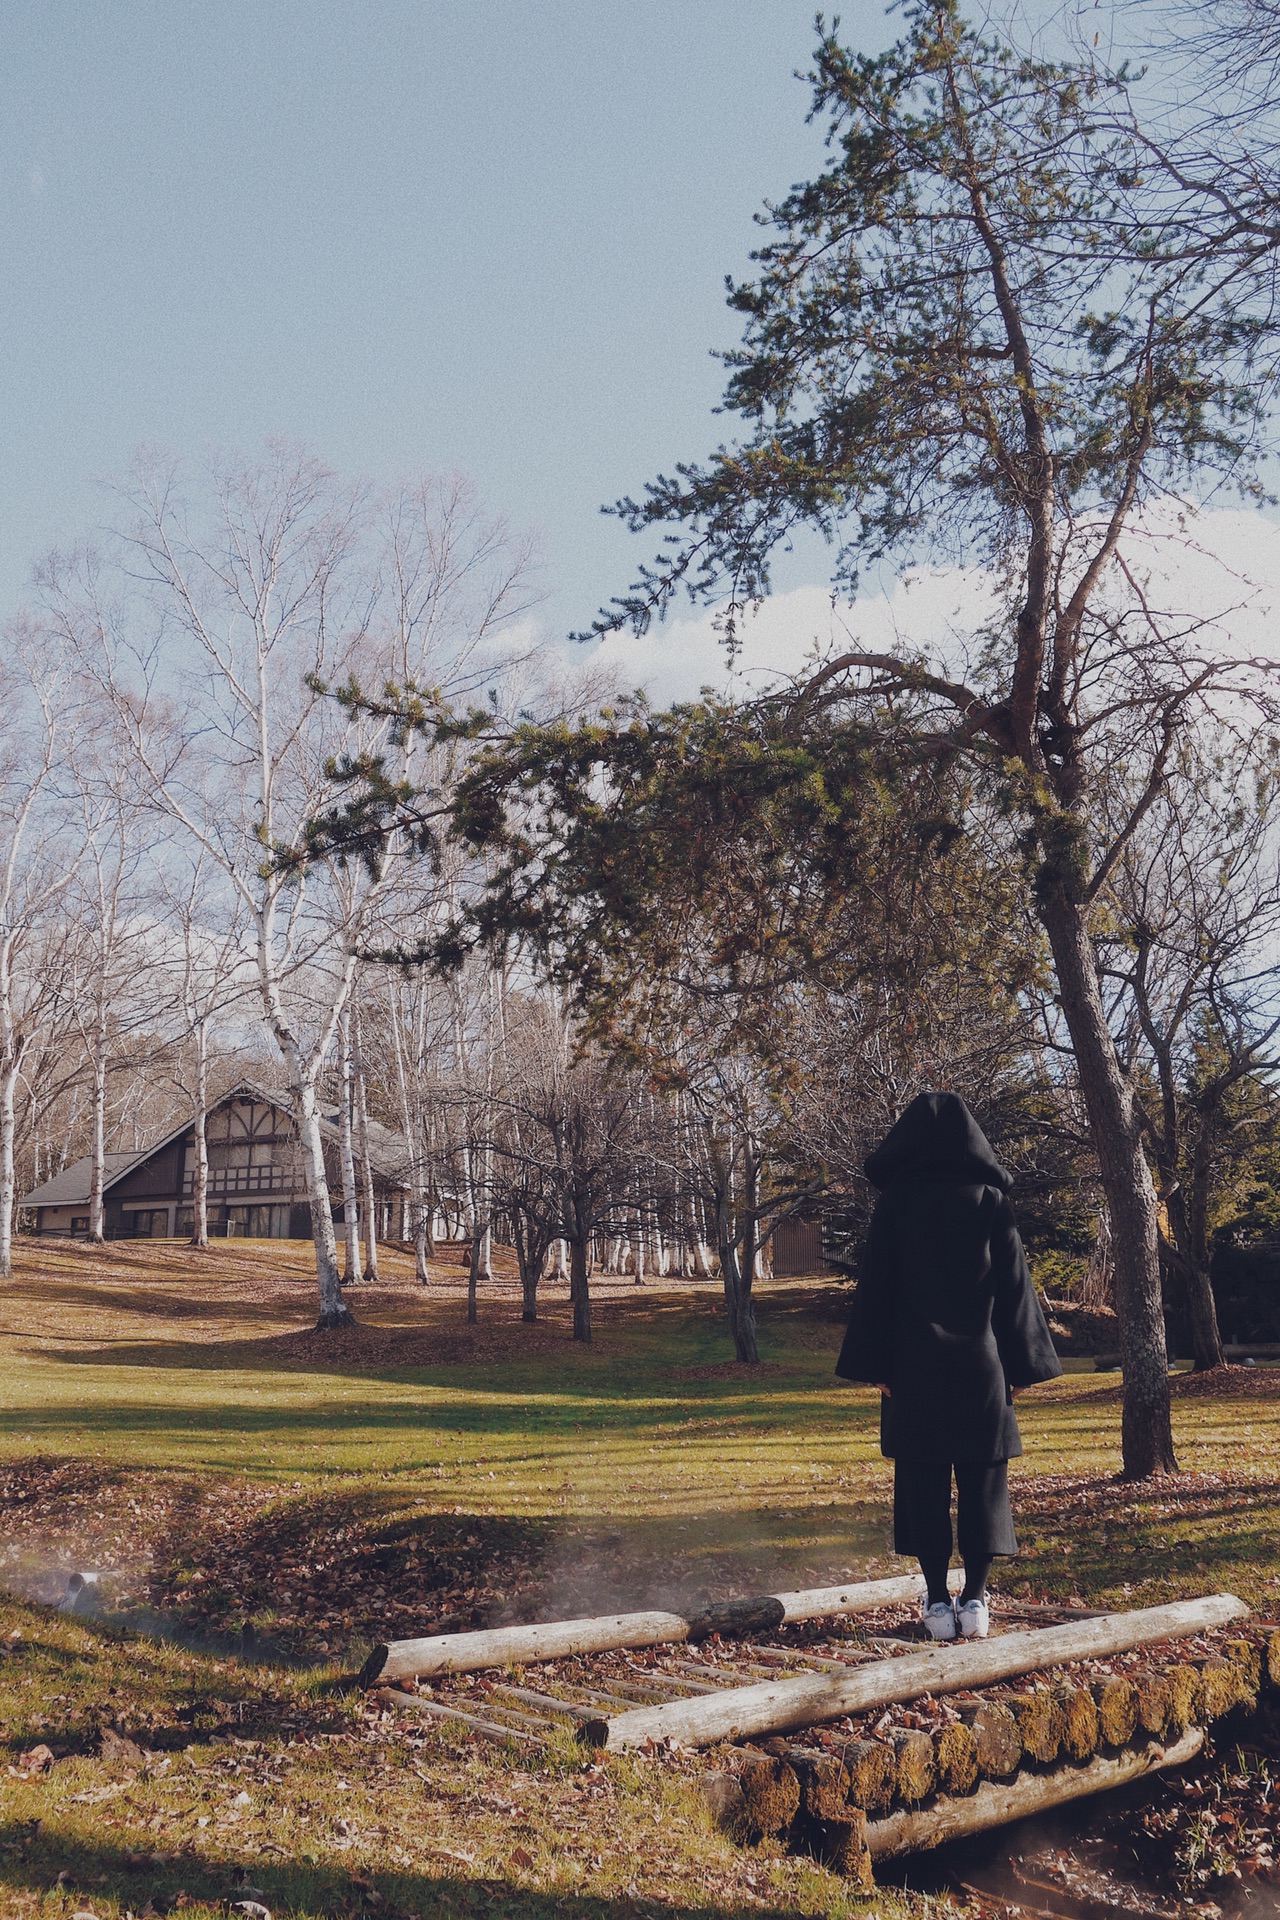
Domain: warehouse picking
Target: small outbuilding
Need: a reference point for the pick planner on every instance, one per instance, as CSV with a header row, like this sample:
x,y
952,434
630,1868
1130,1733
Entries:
x,y
257,1187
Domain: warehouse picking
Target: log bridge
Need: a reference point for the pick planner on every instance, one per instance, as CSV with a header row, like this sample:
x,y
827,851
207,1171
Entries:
x,y
865,1745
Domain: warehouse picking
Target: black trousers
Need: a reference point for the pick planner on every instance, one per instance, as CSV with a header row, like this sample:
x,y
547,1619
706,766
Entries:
x,y
922,1509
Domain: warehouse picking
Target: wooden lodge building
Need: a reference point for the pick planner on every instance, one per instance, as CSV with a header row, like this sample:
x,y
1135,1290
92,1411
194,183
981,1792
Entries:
x,y
257,1186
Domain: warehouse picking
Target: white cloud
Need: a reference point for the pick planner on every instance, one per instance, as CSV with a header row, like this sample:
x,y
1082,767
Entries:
x,y
1219,569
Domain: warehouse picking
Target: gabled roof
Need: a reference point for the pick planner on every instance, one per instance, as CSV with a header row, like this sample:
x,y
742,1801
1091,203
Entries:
x,y
74,1184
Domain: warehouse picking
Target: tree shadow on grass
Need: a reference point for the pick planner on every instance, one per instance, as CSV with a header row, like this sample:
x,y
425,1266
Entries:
x,y
32,1861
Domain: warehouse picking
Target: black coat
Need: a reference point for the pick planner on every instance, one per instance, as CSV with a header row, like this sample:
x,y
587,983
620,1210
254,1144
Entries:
x,y
945,1313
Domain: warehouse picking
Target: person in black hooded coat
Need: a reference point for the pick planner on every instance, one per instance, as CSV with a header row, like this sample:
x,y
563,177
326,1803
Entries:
x,y
946,1323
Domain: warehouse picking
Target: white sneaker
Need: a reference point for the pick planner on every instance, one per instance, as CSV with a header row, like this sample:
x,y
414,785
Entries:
x,y
940,1619
973,1617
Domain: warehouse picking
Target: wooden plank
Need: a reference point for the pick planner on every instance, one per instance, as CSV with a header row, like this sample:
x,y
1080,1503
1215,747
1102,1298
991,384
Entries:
x,y
996,1803
574,1708
435,1709
781,1705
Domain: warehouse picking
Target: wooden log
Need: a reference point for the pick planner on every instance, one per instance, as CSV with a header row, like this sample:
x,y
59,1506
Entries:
x,y
841,1844
1077,1722
994,1805
914,1768
1221,1688
770,1794
996,1732
778,1705
1155,1702
557,1639
732,1619
1272,1663
824,1783
436,1710
872,1769
1117,1702
1246,1657
955,1756
1039,1728
858,1596
500,1646
1184,1699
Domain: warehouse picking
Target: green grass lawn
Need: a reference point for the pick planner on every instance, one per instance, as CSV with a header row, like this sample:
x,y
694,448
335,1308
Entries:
x,y
163,1412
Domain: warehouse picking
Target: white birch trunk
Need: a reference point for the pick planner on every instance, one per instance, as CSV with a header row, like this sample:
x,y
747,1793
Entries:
x,y
97,1209
8,1091
350,1212
366,1163
200,1179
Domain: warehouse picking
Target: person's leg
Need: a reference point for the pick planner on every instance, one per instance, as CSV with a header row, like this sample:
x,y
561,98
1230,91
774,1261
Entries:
x,y
922,1520
976,1569
984,1522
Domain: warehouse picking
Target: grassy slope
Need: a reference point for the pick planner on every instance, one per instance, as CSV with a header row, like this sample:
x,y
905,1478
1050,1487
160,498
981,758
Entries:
x,y
643,1470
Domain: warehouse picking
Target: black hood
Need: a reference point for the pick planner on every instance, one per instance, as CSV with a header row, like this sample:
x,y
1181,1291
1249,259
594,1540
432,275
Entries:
x,y
937,1138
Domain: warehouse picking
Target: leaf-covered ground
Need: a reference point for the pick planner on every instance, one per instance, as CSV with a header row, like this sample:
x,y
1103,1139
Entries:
x,y
168,1422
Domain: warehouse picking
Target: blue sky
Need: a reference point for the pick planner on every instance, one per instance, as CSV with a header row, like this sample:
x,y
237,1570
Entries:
x,y
463,234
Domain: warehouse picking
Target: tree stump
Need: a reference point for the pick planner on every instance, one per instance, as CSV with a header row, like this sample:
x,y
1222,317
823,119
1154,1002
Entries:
x,y
996,1732
770,1795
1273,1658
1117,1702
1037,1722
955,1755
914,1768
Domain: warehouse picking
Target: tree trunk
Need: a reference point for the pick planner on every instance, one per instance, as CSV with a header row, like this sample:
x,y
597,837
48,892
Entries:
x,y
1202,1308
366,1163
334,1311
200,1178
737,1291
8,1092
474,1259
346,1153
1146,1429
97,1209
579,1288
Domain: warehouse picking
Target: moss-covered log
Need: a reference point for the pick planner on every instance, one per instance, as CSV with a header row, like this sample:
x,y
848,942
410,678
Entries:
x,y
824,1784
1036,1715
1117,1702
914,1770
1221,1688
1077,1723
841,1845
872,1769
1154,1693
955,1756
996,1732
770,1794
1185,1699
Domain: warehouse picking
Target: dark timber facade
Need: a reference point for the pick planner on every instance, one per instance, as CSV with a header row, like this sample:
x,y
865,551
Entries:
x,y
257,1185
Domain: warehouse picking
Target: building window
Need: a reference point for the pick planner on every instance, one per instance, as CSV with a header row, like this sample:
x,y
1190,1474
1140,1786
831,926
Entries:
x,y
79,1223
153,1224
